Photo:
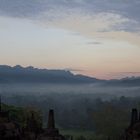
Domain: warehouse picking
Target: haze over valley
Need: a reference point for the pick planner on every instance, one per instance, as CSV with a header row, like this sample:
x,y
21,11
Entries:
x,y
77,59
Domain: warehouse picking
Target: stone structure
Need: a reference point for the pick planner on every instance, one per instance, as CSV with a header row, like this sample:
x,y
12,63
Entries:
x,y
10,130
51,133
133,131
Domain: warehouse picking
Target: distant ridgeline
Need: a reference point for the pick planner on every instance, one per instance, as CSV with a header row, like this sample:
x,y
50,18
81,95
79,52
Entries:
x,y
18,74
34,75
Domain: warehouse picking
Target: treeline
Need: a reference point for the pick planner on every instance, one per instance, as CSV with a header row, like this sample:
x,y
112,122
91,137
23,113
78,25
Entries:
x,y
83,112
20,115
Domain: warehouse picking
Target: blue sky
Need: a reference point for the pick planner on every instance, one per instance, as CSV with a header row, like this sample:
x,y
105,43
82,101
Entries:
x,y
99,38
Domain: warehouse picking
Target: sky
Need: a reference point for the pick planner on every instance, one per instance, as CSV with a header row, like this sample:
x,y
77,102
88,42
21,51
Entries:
x,y
98,38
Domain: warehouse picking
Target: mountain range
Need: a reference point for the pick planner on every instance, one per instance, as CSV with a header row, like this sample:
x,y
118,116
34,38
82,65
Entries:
x,y
19,74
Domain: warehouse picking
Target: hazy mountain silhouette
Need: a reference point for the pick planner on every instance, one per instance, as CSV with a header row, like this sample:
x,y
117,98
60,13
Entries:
x,y
30,74
19,74
128,81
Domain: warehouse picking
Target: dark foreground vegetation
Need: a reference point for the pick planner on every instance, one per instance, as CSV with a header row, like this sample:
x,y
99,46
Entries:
x,y
20,114
82,117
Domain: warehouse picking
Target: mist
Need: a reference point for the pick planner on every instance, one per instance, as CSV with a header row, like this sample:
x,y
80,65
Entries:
x,y
95,90
76,106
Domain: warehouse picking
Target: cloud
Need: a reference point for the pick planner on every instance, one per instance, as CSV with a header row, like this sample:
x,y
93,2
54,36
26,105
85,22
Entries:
x,y
116,75
94,43
74,70
20,8
128,72
125,14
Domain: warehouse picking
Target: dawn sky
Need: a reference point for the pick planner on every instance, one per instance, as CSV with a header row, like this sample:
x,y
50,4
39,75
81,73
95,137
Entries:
x,y
99,38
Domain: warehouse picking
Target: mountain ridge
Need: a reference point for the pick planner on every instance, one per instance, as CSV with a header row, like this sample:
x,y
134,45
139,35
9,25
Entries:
x,y
30,74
